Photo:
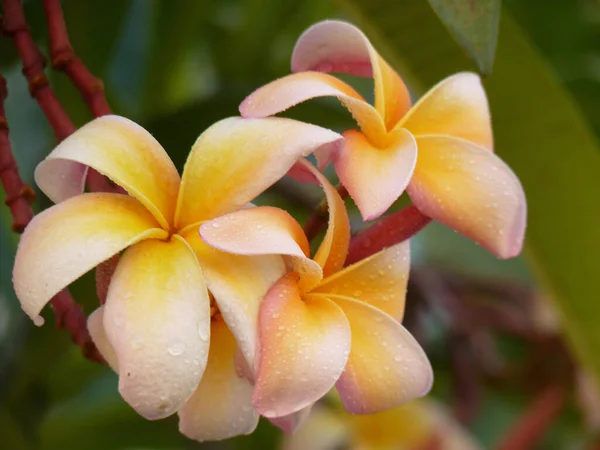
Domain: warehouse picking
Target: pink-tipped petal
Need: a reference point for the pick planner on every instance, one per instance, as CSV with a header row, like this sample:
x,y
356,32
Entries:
x,y
379,280
157,319
264,230
457,106
123,151
387,366
472,191
71,238
238,284
288,91
96,328
336,46
334,248
221,406
304,348
290,423
236,159
376,177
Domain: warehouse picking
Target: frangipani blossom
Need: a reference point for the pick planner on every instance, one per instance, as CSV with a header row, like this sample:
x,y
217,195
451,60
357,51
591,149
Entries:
x,y
419,424
323,325
159,317
440,149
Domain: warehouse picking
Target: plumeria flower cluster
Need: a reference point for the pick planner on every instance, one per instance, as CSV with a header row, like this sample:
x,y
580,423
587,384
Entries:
x,y
216,310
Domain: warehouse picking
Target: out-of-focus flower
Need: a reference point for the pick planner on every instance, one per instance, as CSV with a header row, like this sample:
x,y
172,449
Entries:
x,y
420,424
159,317
322,325
456,178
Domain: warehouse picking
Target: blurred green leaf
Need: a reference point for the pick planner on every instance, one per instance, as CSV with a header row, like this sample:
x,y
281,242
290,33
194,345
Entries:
x,y
474,24
540,133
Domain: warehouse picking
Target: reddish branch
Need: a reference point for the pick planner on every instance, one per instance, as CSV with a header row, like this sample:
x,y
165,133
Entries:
x,y
68,314
63,58
388,231
19,196
530,428
15,26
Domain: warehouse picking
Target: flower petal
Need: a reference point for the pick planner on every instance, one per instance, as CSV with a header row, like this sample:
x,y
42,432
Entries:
x,y
124,152
296,88
71,238
376,177
336,46
386,367
264,231
379,280
304,348
472,191
457,106
157,319
236,159
334,248
221,406
96,328
238,284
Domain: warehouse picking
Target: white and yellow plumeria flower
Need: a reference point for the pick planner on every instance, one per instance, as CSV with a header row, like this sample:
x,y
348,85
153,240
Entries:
x,y
439,150
156,325
420,424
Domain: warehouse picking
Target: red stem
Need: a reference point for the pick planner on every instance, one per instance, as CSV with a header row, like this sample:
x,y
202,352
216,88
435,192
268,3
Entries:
x,y
64,59
389,231
34,62
536,420
68,314
19,196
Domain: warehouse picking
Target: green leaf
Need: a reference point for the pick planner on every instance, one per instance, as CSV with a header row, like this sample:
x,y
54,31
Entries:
x,y
474,24
540,133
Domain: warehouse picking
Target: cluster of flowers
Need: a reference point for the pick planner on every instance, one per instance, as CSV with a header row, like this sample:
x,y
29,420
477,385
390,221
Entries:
x,y
216,310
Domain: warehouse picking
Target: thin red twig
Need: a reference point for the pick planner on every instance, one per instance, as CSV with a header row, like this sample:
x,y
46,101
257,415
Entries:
x,y
390,230
19,196
69,315
536,420
15,26
64,59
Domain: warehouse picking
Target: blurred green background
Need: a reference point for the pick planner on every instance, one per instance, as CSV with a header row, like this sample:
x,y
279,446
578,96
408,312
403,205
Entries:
x,y
177,66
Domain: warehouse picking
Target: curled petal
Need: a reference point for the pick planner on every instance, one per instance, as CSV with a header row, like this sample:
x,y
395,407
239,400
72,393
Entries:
x,y
336,46
472,191
288,91
304,348
334,248
221,406
238,283
379,280
96,328
124,152
387,367
157,319
457,107
264,231
375,177
71,238
236,159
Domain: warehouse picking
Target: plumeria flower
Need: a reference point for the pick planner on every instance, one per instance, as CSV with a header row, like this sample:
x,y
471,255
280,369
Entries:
x,y
440,149
159,317
322,324
416,425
